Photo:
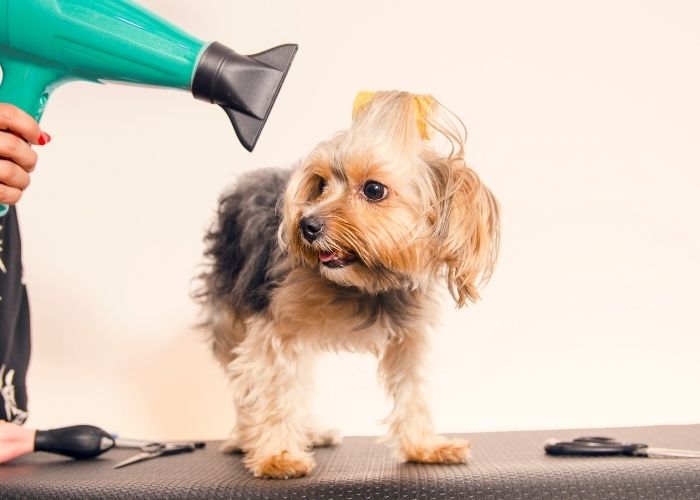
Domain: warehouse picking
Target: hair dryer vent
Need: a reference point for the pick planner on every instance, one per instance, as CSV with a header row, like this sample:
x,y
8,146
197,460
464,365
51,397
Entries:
x,y
244,86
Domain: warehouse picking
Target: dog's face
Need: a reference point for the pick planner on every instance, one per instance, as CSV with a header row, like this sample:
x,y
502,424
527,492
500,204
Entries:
x,y
377,208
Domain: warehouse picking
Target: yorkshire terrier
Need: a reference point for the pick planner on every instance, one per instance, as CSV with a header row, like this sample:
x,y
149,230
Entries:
x,y
346,252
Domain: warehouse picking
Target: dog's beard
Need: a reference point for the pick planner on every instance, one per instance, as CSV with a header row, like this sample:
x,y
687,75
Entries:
x,y
346,266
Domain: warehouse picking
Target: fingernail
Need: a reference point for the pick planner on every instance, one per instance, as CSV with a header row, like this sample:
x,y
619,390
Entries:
x,y
44,138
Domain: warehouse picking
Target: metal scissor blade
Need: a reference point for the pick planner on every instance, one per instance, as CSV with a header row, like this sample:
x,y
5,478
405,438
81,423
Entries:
x,y
136,458
133,443
668,452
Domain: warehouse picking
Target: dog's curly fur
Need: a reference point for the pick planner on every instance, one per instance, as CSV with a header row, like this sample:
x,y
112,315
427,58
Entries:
x,y
392,216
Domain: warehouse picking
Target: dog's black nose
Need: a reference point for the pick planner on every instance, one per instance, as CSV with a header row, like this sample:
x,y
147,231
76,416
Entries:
x,y
311,228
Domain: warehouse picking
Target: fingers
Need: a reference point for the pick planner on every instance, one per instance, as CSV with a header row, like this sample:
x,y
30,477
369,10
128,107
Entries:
x,y
15,149
18,131
13,175
14,119
13,181
9,195
15,441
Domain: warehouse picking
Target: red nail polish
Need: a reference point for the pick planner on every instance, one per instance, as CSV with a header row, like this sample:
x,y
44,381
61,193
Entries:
x,y
44,138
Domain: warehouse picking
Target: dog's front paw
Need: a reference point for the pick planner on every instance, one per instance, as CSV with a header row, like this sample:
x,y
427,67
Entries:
x,y
441,452
284,465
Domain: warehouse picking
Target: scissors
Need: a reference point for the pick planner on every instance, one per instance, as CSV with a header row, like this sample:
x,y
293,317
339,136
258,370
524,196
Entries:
x,y
606,446
150,449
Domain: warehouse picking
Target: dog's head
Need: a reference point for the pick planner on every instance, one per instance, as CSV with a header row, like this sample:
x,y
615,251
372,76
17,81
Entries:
x,y
381,207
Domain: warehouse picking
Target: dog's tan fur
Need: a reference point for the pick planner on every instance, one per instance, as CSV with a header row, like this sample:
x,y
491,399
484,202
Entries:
x,y
438,223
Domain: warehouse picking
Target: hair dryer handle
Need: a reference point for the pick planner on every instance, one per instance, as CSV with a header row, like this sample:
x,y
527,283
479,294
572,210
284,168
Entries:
x,y
27,86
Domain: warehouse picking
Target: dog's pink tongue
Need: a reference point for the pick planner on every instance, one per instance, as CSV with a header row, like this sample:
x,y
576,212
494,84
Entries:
x,y
326,256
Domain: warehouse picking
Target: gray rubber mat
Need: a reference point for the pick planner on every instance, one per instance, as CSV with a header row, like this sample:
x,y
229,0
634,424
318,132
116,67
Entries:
x,y
505,465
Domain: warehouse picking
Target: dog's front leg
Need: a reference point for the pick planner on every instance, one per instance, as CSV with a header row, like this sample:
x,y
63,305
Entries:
x,y
270,378
410,424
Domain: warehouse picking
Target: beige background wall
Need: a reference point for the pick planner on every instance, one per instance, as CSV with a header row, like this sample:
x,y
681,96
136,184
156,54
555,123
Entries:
x,y
582,117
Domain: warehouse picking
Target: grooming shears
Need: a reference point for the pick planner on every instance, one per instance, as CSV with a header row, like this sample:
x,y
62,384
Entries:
x,y
151,449
605,446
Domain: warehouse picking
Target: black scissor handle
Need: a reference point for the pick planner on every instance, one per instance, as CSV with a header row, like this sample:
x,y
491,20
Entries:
x,y
174,449
596,439
595,446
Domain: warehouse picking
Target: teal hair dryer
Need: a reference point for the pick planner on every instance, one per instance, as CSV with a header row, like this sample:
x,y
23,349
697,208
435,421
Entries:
x,y
46,43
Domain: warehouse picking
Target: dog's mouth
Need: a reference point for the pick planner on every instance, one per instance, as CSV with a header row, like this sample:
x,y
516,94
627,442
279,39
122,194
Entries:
x,y
336,259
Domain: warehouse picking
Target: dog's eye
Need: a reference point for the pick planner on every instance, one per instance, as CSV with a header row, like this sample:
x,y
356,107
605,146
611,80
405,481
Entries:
x,y
322,184
374,191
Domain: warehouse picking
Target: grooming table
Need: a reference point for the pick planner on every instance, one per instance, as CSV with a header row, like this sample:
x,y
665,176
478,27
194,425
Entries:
x,y
505,465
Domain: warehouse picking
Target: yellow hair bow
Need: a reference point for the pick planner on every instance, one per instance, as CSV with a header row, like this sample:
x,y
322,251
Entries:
x,y
422,103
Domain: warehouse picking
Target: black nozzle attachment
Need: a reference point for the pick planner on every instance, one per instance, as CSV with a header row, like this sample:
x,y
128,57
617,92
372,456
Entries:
x,y
245,86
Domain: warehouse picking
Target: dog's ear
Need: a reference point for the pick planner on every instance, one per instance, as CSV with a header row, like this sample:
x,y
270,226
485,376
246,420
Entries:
x,y
469,243
467,219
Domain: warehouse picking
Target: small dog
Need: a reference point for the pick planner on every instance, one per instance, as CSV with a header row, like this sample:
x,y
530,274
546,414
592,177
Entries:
x,y
346,252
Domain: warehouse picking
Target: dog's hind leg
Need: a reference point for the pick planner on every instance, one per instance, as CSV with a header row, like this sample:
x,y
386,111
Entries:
x,y
323,438
233,443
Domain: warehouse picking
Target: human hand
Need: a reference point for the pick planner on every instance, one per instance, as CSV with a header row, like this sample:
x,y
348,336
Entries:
x,y
18,131
15,441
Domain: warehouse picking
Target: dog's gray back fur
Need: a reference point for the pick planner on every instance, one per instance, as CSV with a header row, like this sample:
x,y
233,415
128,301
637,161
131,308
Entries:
x,y
242,244
246,265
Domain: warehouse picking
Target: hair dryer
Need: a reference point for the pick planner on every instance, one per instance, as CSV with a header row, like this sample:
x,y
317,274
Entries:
x,y
46,43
